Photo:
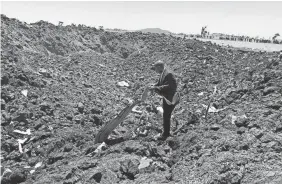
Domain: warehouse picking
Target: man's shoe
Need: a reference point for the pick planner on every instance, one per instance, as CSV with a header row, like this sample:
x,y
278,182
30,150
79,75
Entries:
x,y
162,137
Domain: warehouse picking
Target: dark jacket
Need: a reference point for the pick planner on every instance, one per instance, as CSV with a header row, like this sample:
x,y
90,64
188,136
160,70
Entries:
x,y
166,85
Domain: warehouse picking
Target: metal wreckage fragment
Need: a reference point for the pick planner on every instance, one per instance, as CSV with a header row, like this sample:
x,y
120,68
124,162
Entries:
x,y
110,126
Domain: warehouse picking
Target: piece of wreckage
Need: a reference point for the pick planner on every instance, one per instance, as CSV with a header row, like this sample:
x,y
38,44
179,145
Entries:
x,y
110,126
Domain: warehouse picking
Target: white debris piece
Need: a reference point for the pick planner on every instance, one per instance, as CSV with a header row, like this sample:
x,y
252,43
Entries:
x,y
6,171
24,92
101,65
130,101
160,110
198,111
134,135
144,162
123,84
27,132
214,91
201,94
100,147
42,71
135,109
50,128
156,136
39,164
234,118
21,141
144,133
212,108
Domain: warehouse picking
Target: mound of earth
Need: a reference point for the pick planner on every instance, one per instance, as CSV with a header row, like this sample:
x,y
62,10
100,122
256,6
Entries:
x,y
60,85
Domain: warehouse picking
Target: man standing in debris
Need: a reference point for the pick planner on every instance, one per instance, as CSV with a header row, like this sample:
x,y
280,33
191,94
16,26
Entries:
x,y
166,87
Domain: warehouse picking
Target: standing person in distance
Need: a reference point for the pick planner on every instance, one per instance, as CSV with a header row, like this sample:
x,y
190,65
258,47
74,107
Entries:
x,y
166,87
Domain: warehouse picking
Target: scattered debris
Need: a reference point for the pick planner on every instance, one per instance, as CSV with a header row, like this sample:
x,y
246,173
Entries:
x,y
160,110
27,132
135,109
66,65
144,162
5,171
201,94
239,120
101,147
39,164
24,92
44,72
212,109
123,84
20,142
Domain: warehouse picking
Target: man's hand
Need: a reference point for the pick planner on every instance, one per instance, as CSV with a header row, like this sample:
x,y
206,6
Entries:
x,y
152,88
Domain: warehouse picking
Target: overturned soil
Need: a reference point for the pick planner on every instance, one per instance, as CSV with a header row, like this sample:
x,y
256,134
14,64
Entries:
x,y
61,84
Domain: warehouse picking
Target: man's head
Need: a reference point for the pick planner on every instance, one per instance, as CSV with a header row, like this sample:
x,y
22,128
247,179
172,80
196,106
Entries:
x,y
159,66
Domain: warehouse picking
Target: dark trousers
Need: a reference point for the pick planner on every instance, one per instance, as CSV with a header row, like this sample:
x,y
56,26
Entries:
x,y
166,117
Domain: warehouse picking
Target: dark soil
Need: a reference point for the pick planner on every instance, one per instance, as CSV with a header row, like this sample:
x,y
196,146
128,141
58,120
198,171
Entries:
x,y
71,75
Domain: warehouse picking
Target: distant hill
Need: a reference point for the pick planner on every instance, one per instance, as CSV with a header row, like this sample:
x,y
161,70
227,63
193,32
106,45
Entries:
x,y
154,30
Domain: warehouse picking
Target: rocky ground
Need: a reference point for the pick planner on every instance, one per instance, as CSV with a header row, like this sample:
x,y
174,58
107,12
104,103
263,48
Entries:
x,y
59,86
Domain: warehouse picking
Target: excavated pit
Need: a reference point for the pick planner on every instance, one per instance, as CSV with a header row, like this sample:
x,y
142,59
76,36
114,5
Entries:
x,y
59,86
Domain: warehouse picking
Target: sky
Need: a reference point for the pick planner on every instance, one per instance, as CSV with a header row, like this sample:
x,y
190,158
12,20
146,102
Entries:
x,y
262,19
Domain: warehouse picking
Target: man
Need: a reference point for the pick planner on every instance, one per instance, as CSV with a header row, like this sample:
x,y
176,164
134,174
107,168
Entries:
x,y
166,87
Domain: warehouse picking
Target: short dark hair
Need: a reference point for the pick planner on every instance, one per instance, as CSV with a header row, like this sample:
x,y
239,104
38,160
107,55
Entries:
x,y
159,63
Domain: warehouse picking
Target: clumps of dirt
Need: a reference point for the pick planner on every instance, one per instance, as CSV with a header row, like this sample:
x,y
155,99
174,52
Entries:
x,y
59,86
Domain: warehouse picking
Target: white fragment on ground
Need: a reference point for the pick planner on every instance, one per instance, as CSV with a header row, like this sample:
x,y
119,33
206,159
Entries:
x,y
130,101
212,109
43,71
160,110
234,118
27,132
21,141
24,92
100,147
135,109
134,135
39,164
156,136
143,133
201,94
7,171
144,162
123,84
198,111
101,65
214,90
